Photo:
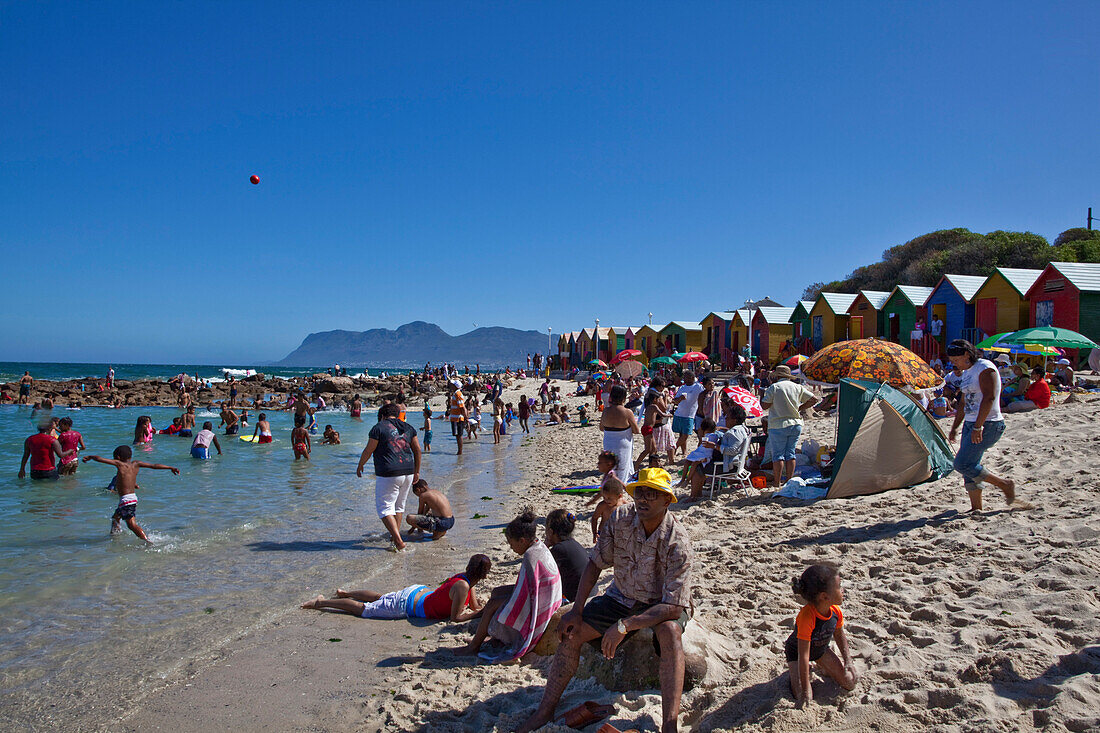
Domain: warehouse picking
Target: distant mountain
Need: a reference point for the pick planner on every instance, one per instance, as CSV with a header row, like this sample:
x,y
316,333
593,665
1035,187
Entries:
x,y
413,344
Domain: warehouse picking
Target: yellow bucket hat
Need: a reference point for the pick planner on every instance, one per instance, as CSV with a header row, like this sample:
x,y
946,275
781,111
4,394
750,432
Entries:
x,y
653,478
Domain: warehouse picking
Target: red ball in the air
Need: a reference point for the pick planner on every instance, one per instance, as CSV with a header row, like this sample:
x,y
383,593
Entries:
x,y
254,179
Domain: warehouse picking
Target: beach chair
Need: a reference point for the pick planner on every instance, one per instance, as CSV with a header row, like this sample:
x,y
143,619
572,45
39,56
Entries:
x,y
736,475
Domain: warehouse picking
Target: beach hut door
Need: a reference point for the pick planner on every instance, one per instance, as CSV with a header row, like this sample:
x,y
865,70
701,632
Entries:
x,y
818,332
855,330
987,316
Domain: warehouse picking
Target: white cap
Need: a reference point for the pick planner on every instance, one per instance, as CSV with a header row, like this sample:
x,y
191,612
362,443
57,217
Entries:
x,y
1002,359
1062,362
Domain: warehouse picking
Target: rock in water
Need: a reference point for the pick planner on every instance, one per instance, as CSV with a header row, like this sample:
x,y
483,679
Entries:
x,y
334,384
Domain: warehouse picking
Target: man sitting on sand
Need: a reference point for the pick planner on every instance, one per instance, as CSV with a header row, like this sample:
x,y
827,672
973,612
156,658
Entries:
x,y
652,557
434,512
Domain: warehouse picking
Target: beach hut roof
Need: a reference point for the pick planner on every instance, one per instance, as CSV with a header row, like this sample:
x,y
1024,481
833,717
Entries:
x,y
807,304
838,303
966,286
776,315
1084,276
745,313
604,332
915,294
724,315
686,325
1019,278
877,298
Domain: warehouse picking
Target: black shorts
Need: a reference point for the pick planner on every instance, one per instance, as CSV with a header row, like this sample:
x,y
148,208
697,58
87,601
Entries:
x,y
457,428
24,390
603,612
125,512
790,648
233,429
50,475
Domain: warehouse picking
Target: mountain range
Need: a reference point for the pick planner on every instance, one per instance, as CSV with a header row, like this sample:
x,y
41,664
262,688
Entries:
x,y
411,345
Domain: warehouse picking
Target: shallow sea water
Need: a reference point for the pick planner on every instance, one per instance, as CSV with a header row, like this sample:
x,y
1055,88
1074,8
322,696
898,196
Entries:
x,y
239,539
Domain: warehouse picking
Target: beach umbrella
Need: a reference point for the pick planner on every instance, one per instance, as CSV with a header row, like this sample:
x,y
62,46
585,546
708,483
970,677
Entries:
x,y
746,399
994,343
1049,336
663,360
991,341
625,354
795,362
871,359
629,369
692,356
597,362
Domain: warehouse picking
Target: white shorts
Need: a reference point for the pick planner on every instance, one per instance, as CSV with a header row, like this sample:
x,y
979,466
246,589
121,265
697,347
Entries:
x,y
391,605
391,493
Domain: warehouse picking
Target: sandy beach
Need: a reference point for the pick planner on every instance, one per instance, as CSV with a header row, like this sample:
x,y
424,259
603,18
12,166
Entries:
x,y
957,622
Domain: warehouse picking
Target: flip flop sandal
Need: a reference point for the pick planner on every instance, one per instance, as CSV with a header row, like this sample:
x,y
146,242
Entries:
x,y
608,728
586,714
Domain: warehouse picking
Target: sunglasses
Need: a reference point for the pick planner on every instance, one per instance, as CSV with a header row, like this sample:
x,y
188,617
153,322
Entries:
x,y
648,494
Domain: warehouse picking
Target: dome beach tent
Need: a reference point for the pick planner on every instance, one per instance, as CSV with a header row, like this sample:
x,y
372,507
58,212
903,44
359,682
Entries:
x,y
884,441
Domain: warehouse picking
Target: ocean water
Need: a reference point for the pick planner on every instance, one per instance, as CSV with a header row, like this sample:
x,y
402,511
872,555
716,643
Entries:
x,y
239,539
11,371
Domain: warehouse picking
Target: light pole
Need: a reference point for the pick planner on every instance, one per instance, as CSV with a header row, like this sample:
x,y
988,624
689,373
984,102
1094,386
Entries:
x,y
549,348
596,340
651,319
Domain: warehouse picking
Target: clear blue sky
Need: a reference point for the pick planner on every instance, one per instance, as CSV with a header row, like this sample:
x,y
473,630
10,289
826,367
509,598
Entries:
x,y
517,164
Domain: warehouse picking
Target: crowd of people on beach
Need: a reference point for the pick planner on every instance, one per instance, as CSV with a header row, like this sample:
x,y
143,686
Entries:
x,y
633,532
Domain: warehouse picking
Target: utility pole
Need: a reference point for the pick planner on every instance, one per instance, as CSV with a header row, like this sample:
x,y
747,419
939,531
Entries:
x,y
1090,218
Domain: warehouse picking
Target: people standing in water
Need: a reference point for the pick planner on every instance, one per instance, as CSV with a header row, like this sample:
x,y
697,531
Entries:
x,y
41,448
356,410
71,442
200,447
299,439
125,484
456,412
393,445
262,433
143,430
230,420
187,422
981,420
25,383
427,429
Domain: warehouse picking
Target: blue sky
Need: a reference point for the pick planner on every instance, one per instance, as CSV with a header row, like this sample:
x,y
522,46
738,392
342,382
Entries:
x,y
526,165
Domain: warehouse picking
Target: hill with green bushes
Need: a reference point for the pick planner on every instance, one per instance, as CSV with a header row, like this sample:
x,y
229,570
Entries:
x,y
925,259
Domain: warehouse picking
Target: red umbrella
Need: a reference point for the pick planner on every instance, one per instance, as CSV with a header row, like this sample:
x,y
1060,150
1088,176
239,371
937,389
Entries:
x,y
746,399
625,354
693,356
795,361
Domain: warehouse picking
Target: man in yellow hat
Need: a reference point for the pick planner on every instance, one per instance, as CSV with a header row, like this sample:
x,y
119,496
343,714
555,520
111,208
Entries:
x,y
651,554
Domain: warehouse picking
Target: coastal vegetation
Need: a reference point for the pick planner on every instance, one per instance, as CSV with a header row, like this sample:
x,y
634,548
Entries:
x,y
924,259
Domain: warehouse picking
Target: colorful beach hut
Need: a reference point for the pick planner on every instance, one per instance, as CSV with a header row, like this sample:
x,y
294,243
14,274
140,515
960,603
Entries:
x,y
739,330
602,342
952,301
771,328
586,351
901,309
574,349
800,322
716,336
1000,305
1067,295
866,315
682,336
646,339
829,318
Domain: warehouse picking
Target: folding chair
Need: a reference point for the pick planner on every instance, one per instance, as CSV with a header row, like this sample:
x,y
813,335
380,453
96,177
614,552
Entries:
x,y
737,475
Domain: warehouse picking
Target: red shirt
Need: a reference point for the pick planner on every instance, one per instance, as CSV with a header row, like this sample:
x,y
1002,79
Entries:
x,y
1039,393
41,445
438,604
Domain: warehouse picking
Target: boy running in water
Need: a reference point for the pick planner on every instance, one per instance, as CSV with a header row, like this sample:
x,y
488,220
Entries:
x,y
125,484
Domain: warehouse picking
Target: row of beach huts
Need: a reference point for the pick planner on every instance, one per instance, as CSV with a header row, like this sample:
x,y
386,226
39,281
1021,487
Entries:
x,y
973,307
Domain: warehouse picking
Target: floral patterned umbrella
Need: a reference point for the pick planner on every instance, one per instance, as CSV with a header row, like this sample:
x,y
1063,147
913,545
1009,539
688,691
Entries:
x,y
879,361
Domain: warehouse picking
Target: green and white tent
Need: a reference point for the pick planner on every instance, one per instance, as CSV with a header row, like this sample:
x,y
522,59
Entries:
x,y
884,441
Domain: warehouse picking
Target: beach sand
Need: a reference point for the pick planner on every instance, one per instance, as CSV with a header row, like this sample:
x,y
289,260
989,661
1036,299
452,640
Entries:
x,y
956,622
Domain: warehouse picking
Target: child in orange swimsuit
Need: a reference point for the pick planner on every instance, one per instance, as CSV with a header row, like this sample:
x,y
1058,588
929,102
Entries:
x,y
299,439
819,622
